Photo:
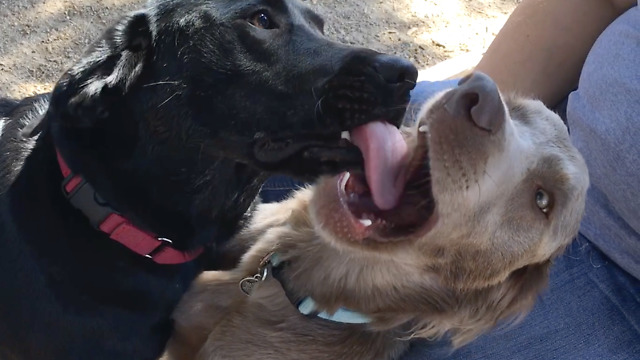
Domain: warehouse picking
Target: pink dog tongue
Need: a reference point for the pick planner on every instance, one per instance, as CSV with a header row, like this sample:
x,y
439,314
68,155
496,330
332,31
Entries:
x,y
385,158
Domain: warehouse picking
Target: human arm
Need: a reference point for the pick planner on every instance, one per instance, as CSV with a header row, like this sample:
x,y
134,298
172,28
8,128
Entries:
x,y
541,49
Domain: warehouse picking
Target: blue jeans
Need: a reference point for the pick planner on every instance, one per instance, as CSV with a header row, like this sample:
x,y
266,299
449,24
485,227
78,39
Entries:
x,y
591,310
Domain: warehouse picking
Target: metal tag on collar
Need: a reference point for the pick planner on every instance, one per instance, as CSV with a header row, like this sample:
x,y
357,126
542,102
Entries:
x,y
248,284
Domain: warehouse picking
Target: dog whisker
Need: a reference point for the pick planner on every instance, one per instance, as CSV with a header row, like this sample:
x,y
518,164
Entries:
x,y
318,108
489,176
422,182
169,98
200,152
424,203
479,191
399,107
162,83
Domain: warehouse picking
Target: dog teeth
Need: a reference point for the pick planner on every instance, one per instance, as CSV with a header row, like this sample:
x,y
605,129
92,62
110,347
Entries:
x,y
343,182
423,129
365,222
345,135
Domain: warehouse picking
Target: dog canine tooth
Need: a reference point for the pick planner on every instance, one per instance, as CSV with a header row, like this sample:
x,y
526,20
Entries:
x,y
365,222
343,182
345,135
423,129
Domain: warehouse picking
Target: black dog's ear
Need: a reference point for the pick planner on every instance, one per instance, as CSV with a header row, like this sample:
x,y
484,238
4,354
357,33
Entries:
x,y
136,34
88,92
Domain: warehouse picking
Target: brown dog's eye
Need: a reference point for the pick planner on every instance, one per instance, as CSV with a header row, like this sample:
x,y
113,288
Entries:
x,y
261,20
543,201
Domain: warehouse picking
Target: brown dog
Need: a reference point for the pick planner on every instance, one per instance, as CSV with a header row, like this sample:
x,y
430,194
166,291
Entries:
x,y
493,190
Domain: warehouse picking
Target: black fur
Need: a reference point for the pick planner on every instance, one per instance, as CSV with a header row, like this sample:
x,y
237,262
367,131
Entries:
x,y
7,105
175,116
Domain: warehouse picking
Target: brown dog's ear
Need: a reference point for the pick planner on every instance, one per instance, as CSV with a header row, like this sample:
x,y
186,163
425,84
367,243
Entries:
x,y
509,301
464,314
89,90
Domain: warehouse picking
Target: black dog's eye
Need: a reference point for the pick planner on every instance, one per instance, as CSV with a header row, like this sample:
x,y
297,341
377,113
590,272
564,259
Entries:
x,y
261,20
543,201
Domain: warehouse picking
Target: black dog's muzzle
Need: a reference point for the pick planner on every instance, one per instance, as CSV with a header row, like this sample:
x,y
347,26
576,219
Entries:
x,y
367,87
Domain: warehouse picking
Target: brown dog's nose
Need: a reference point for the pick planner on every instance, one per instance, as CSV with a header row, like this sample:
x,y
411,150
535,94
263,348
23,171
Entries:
x,y
477,97
396,70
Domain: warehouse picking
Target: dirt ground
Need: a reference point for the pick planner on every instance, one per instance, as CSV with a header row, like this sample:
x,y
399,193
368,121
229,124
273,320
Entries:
x,y
42,38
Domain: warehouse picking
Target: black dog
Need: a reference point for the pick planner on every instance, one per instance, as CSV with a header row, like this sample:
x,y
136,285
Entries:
x,y
165,130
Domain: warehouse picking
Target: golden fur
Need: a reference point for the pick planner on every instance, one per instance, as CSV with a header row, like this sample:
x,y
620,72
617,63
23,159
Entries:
x,y
485,257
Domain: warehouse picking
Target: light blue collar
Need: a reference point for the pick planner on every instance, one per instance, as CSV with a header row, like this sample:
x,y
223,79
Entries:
x,y
307,306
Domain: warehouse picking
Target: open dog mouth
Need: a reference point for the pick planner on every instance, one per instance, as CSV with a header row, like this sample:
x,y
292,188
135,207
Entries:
x,y
393,198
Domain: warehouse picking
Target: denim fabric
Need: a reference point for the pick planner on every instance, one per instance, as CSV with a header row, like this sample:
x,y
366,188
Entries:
x,y
591,311
278,188
424,91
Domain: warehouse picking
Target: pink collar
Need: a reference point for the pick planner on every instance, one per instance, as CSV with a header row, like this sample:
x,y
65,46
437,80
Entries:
x,y
82,196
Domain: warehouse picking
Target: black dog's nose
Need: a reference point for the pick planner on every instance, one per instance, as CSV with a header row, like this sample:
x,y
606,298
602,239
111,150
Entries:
x,y
477,97
396,70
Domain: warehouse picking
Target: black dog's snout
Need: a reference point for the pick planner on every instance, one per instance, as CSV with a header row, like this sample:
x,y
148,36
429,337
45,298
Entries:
x,y
396,70
477,97
367,86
